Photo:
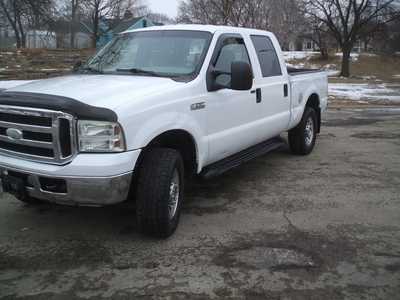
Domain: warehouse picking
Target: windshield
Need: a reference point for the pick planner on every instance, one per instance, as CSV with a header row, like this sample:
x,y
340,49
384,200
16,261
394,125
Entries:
x,y
153,53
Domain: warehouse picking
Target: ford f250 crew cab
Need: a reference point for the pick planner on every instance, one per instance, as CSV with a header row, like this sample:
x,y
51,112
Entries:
x,y
153,107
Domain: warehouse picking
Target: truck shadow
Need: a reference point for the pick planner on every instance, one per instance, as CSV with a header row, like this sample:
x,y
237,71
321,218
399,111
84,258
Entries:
x,y
202,197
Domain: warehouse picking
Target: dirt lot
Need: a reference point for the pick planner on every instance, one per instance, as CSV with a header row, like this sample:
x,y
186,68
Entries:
x,y
39,63
325,226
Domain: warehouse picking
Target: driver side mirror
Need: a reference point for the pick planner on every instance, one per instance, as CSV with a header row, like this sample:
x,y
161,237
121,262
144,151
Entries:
x,y
241,77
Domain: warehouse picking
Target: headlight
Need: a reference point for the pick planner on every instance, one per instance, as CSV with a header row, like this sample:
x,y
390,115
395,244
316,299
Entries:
x,y
97,136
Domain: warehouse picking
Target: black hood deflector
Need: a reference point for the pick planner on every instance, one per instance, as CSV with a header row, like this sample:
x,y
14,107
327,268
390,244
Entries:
x,y
68,105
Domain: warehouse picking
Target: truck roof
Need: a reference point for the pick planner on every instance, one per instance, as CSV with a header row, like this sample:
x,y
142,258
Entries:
x,y
199,27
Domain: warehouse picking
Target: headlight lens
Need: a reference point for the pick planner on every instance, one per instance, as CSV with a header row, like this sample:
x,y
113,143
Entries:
x,y
97,136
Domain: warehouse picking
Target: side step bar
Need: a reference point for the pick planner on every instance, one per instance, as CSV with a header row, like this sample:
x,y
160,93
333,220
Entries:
x,y
237,159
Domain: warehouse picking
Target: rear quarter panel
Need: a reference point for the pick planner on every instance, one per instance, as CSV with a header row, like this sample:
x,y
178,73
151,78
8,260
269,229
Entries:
x,y
302,87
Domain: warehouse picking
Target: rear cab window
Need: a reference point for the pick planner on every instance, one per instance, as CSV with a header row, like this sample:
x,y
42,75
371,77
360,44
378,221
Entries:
x,y
267,57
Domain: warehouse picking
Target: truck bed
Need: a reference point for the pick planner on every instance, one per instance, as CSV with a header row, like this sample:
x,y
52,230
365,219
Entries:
x,y
295,71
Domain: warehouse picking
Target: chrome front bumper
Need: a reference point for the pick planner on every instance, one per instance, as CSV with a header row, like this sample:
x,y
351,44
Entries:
x,y
84,191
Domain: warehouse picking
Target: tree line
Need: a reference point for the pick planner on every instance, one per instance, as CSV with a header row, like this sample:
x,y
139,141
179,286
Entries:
x,y
21,15
329,23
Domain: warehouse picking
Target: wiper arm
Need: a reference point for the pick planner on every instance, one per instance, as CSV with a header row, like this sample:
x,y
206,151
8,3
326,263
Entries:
x,y
140,71
91,69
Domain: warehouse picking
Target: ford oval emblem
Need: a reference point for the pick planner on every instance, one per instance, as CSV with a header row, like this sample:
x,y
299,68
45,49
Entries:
x,y
14,133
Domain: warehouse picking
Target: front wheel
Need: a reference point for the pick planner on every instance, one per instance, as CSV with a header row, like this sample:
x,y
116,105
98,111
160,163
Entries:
x,y
159,192
30,200
302,138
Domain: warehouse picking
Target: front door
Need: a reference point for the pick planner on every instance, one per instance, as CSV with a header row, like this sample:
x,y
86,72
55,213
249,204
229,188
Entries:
x,y
231,115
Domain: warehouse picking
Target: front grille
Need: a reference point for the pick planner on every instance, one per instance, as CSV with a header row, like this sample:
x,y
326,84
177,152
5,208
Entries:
x,y
42,135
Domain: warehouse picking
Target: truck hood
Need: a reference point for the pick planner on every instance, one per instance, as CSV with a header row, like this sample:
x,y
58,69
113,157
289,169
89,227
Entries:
x,y
109,91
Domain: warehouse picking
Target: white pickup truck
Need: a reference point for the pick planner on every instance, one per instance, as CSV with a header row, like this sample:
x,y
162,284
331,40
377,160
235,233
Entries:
x,y
151,108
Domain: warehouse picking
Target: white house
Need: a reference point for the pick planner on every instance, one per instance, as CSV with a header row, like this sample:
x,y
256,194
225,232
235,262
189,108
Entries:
x,y
41,39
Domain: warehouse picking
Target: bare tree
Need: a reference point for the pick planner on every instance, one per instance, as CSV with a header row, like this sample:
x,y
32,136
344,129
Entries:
x,y
252,14
160,18
97,9
14,11
319,33
21,14
218,12
100,9
349,19
39,12
74,7
286,20
283,17
131,7
393,37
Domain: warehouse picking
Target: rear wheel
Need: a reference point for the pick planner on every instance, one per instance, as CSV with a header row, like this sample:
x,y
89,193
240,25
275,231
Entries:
x,y
159,192
30,200
302,138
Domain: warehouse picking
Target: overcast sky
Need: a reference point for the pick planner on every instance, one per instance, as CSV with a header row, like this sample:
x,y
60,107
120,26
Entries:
x,y
168,7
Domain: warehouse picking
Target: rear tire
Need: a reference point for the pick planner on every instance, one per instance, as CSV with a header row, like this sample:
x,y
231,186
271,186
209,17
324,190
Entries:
x,y
159,192
30,201
302,138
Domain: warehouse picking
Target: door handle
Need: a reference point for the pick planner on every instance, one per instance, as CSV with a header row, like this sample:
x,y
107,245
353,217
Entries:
x,y
258,95
285,90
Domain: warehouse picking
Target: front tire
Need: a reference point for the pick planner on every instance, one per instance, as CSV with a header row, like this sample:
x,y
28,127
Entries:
x,y
159,192
302,138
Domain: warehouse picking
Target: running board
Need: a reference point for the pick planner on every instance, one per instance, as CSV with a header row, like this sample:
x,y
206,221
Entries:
x,y
237,159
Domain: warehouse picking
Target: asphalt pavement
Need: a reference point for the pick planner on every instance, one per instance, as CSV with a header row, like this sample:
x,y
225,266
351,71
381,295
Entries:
x,y
324,226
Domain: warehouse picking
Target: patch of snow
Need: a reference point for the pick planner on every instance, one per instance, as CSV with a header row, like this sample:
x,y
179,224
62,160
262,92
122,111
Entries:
x,y
332,73
291,55
396,76
371,77
354,56
49,70
8,84
330,69
315,67
330,66
365,91
369,54
296,65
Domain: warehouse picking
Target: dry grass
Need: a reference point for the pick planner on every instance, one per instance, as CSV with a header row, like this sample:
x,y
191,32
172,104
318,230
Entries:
x,y
383,67
42,63
365,68
38,63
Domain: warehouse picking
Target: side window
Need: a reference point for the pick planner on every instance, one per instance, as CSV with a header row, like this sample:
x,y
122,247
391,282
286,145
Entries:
x,y
267,57
233,49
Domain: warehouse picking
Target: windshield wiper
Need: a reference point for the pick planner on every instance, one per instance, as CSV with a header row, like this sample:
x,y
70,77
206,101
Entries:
x,y
91,69
141,71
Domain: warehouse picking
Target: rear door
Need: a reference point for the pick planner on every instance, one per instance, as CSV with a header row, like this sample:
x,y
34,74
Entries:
x,y
271,83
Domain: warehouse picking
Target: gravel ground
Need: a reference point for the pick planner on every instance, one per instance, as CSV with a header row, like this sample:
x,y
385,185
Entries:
x,y
325,226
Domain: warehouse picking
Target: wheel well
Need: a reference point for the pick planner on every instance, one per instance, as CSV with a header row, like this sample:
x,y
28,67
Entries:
x,y
313,102
183,142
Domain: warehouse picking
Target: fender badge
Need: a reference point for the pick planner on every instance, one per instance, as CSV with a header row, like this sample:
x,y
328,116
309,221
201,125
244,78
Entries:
x,y
197,106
